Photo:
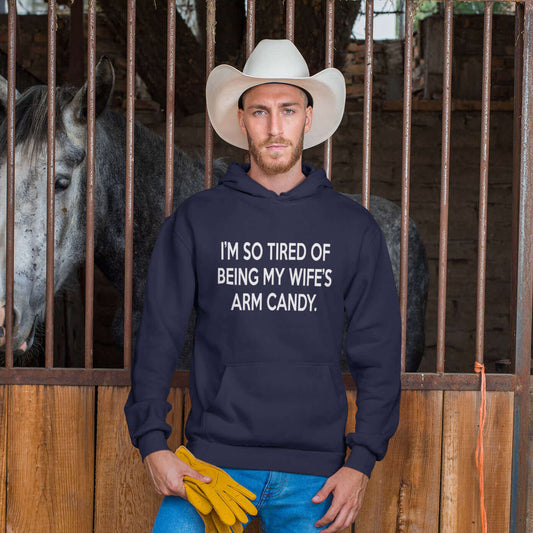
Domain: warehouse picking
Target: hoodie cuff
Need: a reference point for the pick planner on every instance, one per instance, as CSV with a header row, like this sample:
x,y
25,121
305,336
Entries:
x,y
152,442
361,459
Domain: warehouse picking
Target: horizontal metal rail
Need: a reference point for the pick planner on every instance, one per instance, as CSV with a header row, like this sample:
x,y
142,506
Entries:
x,y
121,377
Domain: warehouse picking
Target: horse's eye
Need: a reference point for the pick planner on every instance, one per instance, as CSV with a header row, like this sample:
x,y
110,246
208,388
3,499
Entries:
x,y
62,182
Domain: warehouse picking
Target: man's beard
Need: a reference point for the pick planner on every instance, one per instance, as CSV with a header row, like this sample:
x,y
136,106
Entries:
x,y
272,166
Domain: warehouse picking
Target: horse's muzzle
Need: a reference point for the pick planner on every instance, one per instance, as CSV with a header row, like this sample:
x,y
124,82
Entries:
x,y
25,344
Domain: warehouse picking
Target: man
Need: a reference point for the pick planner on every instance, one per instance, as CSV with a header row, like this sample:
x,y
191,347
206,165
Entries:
x,y
274,261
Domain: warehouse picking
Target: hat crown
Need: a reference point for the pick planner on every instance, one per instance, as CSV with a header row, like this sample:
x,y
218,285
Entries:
x,y
276,58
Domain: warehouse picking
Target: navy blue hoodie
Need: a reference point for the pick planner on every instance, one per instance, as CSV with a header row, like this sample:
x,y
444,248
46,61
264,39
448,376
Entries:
x,y
272,278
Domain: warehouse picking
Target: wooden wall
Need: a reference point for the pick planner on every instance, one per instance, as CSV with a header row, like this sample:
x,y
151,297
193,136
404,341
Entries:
x,y
67,464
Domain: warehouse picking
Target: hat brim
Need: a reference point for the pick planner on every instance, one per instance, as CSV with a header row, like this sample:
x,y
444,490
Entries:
x,y
226,84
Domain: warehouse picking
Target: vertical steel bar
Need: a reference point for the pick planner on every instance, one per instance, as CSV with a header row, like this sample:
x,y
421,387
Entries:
x,y
250,27
10,191
130,160
171,88
210,25
289,20
519,471
483,183
367,112
89,239
517,110
50,190
445,181
330,37
410,10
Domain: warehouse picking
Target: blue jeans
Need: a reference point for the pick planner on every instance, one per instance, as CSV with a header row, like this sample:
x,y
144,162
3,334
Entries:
x,y
283,502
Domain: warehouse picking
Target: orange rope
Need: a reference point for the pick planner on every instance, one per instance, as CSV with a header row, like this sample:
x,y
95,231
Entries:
x,y
479,449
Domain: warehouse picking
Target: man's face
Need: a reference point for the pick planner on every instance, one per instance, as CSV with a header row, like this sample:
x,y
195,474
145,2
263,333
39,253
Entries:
x,y
275,118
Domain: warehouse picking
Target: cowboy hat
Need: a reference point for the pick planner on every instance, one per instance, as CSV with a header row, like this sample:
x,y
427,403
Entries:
x,y
274,61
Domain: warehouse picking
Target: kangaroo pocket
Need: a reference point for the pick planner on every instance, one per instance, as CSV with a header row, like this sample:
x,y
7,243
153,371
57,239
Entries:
x,y
279,405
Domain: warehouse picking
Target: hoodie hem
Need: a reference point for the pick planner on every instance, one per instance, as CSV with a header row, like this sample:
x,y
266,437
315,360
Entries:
x,y
318,463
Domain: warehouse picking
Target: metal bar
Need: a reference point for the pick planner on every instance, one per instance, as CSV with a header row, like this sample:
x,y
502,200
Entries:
x,y
89,238
250,27
171,90
121,377
64,376
436,381
483,183
445,180
330,38
519,471
289,20
367,112
410,10
130,160
209,65
10,191
517,110
50,190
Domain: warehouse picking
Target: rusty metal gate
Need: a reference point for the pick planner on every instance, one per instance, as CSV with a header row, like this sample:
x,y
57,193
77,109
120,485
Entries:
x,y
35,388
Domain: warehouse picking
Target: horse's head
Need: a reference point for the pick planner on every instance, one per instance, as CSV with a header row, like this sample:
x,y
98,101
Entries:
x,y
30,189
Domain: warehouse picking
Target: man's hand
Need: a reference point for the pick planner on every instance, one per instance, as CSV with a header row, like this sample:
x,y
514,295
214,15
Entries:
x,y
348,486
166,473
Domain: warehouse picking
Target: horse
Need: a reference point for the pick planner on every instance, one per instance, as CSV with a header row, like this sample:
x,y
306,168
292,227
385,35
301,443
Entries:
x,y
109,210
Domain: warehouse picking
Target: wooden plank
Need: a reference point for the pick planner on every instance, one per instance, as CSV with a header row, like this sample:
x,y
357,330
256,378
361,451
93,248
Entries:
x,y
125,500
3,458
50,458
529,524
351,397
460,501
403,492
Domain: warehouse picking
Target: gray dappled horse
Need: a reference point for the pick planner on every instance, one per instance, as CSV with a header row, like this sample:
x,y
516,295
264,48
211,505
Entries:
x,y
149,184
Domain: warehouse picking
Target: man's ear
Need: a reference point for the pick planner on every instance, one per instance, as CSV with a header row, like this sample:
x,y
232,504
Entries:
x,y
308,118
240,116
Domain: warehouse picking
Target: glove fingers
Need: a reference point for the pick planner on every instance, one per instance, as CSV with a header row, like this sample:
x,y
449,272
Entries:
x,y
228,499
236,509
221,527
243,502
237,528
184,454
207,469
197,498
210,526
219,505
243,490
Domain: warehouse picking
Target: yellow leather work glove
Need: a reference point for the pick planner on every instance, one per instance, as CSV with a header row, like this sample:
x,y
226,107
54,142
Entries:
x,y
229,499
212,522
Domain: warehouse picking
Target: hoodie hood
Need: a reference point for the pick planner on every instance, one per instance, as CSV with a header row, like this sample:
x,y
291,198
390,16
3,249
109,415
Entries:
x,y
237,178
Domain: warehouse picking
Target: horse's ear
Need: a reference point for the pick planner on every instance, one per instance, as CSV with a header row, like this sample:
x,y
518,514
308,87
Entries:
x,y
3,97
104,83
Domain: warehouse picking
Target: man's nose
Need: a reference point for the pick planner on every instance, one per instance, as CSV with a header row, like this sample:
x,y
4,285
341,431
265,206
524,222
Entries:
x,y
275,125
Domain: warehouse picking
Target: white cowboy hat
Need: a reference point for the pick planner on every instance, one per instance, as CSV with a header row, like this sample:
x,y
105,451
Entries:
x,y
274,61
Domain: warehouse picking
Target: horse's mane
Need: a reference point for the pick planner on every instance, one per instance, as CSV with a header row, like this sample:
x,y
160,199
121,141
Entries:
x,y
31,117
